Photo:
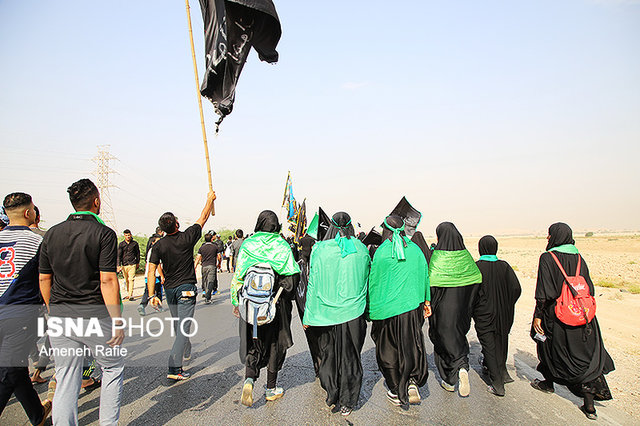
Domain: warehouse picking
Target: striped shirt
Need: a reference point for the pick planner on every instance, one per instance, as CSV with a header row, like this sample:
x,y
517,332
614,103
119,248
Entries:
x,y
19,253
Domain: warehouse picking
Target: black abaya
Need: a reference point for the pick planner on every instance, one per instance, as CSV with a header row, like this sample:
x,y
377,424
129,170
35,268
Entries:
x,y
493,315
270,348
340,366
449,324
572,356
400,351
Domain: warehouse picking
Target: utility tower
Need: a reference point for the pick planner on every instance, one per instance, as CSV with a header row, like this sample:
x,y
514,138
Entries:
x,y
102,173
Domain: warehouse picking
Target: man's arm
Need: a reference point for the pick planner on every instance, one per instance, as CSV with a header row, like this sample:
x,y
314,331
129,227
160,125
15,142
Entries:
x,y
110,289
161,273
119,259
151,284
198,260
206,211
45,287
137,255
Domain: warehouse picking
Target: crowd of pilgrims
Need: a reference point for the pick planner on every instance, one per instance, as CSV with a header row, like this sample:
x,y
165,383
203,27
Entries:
x,y
339,284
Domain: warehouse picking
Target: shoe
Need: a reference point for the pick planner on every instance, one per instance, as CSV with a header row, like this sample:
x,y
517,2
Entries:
x,y
141,310
36,379
414,394
46,406
207,301
446,386
132,299
273,394
95,385
247,393
493,390
542,386
464,388
204,296
214,293
51,390
178,376
345,411
590,415
158,308
393,398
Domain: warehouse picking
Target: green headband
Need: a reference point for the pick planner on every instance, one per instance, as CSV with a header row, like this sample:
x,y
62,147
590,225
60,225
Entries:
x,y
397,251
346,245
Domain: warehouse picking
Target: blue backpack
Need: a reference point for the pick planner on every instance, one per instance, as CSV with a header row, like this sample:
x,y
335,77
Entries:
x,y
256,299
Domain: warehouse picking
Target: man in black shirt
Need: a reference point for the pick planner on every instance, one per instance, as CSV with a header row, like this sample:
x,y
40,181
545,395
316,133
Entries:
x,y
175,251
153,237
78,280
209,253
128,261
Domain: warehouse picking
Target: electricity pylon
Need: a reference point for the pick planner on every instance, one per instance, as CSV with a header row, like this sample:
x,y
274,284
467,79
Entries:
x,y
102,173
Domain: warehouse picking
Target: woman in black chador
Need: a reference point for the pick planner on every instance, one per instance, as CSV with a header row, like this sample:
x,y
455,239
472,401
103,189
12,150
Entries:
x,y
493,311
570,355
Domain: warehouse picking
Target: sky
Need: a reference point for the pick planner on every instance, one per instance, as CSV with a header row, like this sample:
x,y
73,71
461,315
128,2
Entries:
x,y
500,116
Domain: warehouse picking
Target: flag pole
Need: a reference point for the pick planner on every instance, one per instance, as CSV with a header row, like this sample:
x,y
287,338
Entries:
x,y
286,188
204,130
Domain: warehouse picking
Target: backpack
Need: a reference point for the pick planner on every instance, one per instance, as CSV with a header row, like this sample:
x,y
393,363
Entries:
x,y
575,306
256,299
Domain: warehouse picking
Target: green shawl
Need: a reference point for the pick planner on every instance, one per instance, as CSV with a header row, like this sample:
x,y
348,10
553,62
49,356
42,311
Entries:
x,y
565,248
262,247
337,288
453,269
397,286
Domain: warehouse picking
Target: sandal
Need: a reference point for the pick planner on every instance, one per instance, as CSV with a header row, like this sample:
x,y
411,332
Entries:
x,y
590,415
542,386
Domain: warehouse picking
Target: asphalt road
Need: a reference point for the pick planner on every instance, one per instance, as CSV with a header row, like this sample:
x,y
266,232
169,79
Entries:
x,y
212,395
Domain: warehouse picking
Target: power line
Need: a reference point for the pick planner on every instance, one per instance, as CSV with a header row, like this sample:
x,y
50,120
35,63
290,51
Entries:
x,y
102,173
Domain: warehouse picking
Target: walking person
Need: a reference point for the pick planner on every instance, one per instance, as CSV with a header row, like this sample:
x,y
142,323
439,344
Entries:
x,y
227,252
35,227
398,303
159,280
571,355
269,348
453,275
218,241
155,236
128,261
235,248
209,255
78,261
494,310
334,310
20,303
175,252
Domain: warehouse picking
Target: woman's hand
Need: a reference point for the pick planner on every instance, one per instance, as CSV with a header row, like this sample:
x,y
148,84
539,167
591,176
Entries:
x,y
236,312
537,326
427,309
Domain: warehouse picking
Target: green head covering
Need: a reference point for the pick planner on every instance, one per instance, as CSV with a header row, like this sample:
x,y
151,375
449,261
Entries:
x,y
398,244
341,227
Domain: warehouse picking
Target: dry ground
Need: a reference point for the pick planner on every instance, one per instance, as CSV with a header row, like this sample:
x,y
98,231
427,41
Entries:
x,y
612,260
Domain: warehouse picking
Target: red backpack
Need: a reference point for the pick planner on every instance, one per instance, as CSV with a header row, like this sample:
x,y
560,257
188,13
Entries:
x,y
575,306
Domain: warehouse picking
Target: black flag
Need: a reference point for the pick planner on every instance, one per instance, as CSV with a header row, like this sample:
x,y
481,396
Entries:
x,y
231,29
373,238
323,224
410,215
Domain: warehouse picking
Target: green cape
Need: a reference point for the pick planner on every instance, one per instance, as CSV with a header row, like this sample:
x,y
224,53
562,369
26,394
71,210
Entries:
x,y
263,247
453,269
397,286
337,289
